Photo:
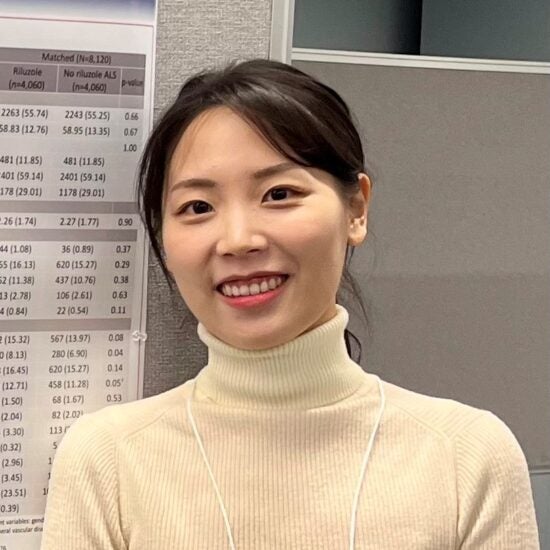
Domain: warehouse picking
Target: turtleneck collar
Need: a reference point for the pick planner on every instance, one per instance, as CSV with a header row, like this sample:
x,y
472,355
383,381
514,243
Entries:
x,y
310,371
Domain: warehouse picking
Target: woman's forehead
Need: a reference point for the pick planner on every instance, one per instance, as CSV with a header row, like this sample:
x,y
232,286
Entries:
x,y
221,136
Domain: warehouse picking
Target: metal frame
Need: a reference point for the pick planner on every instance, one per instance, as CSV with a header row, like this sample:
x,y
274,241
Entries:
x,y
424,61
282,30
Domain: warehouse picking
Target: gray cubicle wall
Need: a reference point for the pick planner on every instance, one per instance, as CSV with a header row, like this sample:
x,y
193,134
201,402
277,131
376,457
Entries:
x,y
192,35
457,267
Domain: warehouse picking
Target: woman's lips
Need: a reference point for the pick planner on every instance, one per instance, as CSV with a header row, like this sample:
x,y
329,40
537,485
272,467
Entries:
x,y
255,300
255,280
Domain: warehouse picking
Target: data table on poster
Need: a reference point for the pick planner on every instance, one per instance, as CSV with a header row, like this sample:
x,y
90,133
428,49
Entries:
x,y
72,124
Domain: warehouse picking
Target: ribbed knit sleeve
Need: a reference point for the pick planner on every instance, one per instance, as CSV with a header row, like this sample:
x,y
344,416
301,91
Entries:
x,y
495,503
83,504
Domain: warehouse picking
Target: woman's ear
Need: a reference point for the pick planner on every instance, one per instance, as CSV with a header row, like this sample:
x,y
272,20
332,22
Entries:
x,y
359,205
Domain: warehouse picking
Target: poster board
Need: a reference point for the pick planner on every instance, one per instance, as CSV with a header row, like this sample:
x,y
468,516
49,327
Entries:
x,y
76,89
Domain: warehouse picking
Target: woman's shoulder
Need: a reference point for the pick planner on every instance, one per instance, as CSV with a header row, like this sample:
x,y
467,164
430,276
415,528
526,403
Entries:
x,y
447,417
495,505
117,422
483,449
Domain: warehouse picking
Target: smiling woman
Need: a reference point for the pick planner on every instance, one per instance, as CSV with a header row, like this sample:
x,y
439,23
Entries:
x,y
253,189
225,148
261,213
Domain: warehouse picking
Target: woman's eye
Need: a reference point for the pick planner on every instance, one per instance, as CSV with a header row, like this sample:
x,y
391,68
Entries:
x,y
189,204
279,189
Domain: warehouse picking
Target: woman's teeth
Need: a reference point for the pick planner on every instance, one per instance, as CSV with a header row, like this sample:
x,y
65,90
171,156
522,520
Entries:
x,y
251,290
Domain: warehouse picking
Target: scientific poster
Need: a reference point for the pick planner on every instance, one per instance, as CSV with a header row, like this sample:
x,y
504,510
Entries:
x,y
76,92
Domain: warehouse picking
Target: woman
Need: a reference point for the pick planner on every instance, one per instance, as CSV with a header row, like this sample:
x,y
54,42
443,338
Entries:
x,y
252,188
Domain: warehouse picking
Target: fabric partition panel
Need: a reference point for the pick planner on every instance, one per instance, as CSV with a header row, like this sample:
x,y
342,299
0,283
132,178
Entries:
x,y
456,265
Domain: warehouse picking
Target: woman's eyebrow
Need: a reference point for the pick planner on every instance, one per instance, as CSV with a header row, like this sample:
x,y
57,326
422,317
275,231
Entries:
x,y
263,173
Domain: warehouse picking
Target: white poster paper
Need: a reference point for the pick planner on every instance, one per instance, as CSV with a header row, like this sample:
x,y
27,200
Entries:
x,y
76,85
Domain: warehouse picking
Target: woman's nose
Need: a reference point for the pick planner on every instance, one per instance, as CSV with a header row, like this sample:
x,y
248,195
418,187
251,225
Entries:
x,y
240,233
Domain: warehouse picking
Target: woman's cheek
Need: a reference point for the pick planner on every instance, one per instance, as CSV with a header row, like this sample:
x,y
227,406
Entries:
x,y
171,253
314,232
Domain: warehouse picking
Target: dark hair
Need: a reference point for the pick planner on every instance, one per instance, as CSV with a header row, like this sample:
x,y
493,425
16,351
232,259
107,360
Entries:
x,y
303,119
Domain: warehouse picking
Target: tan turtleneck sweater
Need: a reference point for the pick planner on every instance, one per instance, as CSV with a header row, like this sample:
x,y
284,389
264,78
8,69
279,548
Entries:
x,y
285,431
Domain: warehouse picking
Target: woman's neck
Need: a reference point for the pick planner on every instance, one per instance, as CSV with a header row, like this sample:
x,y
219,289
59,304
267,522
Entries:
x,y
312,370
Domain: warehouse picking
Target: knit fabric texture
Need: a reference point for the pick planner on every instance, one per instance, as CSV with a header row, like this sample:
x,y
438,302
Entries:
x,y
285,430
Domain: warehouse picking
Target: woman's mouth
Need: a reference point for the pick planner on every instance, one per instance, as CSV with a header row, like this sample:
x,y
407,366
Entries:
x,y
262,296
258,287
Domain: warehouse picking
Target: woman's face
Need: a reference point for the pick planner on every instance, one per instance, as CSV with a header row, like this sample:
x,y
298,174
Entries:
x,y
235,224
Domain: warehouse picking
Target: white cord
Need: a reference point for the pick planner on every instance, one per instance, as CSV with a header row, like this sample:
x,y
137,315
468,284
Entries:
x,y
227,527
364,467
359,485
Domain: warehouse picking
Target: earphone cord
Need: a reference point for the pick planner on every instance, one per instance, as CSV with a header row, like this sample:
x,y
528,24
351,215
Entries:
x,y
359,484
